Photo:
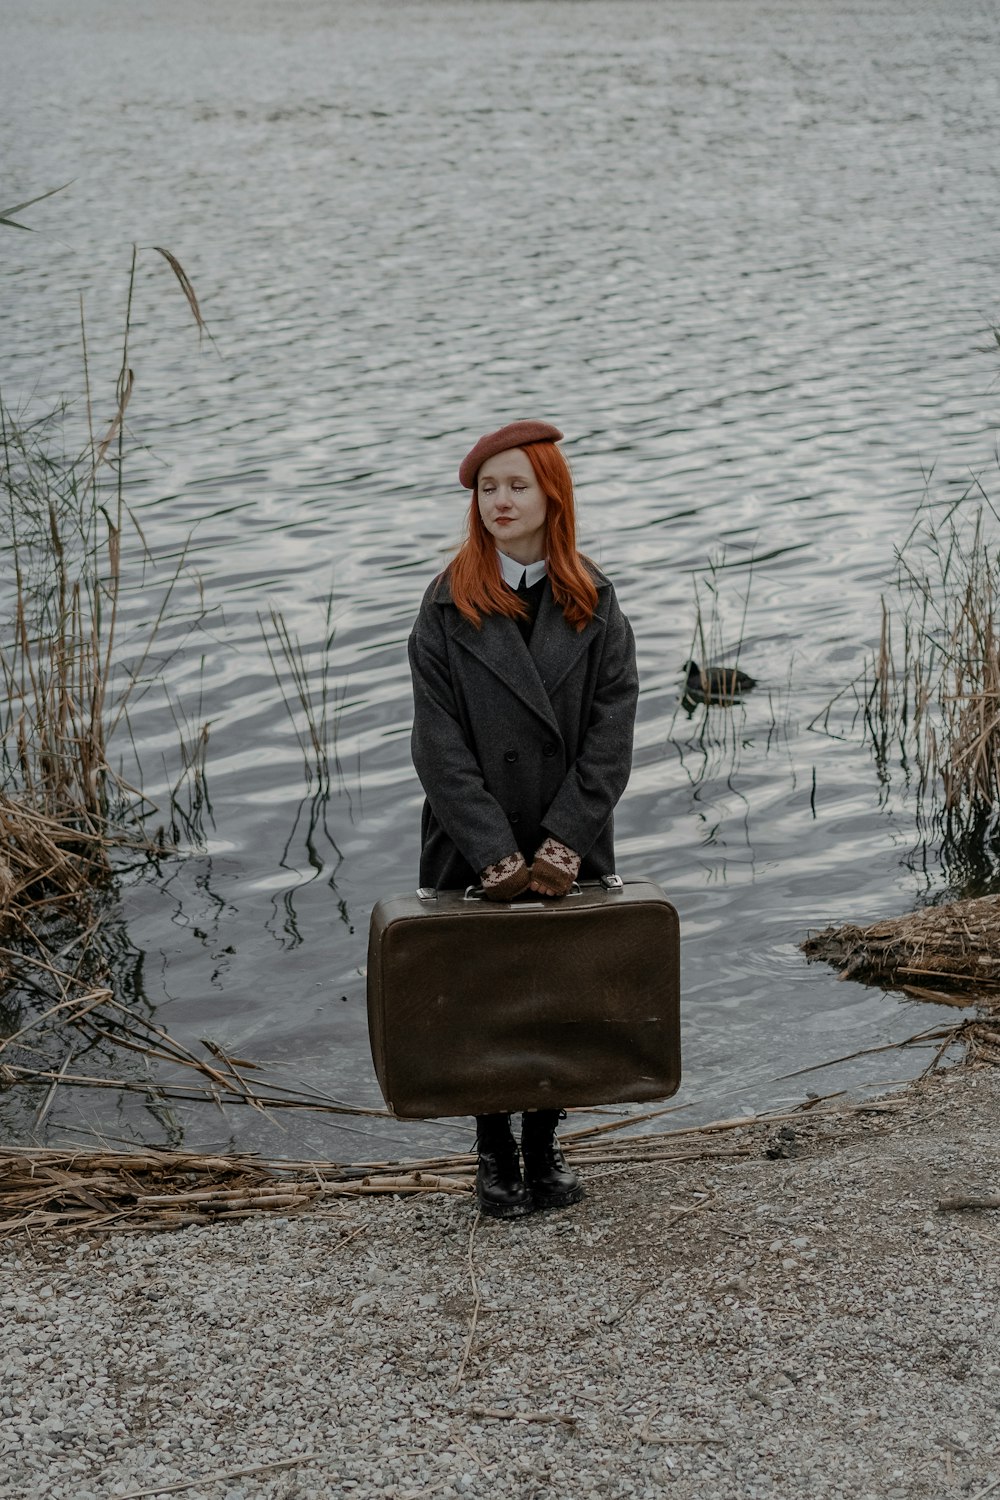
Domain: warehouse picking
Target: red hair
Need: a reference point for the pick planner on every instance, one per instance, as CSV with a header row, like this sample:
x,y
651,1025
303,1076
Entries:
x,y
477,586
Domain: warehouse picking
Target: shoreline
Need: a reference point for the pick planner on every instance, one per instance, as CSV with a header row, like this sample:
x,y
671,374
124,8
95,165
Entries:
x,y
793,1316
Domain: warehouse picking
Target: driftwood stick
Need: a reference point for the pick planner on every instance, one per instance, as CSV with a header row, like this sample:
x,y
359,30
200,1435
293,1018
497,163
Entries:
x,y
476,1304
501,1414
938,997
691,1208
230,1064
147,1050
416,1182
619,1124
666,1440
143,1024
219,1474
253,1203
950,1038
627,1158
32,1158
332,1249
271,1197
188,1092
82,1002
929,1034
462,1162
963,1200
385,1188
46,1104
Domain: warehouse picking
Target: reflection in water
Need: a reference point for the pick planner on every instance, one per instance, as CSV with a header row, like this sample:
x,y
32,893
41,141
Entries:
x,y
317,831
966,854
189,800
66,989
711,763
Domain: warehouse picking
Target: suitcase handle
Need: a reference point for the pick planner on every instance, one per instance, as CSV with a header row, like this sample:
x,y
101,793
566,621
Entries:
x,y
475,893
611,883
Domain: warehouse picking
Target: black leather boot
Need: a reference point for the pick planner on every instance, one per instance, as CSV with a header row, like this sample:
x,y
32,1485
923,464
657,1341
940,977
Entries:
x,y
551,1183
499,1188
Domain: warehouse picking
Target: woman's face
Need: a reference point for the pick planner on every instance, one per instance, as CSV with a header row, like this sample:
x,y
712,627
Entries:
x,y
512,505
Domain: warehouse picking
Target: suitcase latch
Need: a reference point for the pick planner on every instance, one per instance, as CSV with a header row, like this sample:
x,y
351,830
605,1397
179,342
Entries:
x,y
426,893
612,883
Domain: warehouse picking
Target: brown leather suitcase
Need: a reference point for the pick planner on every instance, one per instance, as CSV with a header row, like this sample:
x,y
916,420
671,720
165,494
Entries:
x,y
476,1006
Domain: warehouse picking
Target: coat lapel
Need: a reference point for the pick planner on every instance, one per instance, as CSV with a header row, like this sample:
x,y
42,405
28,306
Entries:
x,y
555,646
499,646
534,675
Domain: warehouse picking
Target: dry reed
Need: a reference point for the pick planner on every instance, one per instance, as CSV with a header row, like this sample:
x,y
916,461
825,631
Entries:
x,y
930,691
64,1189
6,214
67,516
710,639
949,954
66,683
309,670
67,1191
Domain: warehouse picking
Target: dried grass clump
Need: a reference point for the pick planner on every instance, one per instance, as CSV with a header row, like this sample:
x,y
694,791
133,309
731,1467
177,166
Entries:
x,y
65,684
950,587
949,954
62,808
64,559
931,691
42,859
63,538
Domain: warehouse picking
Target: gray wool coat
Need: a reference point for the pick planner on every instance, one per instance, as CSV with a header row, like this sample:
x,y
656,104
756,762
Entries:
x,y
514,742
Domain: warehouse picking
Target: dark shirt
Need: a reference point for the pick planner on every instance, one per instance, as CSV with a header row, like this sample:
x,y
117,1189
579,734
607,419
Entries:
x,y
532,598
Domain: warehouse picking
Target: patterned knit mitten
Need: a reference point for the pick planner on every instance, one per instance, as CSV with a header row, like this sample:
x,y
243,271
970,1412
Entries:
x,y
506,879
555,866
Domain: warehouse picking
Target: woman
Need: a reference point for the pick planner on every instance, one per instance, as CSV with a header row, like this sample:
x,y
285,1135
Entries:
x,y
525,688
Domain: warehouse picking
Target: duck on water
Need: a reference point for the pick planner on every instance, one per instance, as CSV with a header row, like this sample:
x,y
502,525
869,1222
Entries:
x,y
716,684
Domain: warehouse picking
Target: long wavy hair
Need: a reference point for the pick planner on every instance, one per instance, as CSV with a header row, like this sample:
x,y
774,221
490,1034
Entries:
x,y
477,586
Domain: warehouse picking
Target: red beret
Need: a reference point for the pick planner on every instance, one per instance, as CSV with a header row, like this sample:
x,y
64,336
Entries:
x,y
514,435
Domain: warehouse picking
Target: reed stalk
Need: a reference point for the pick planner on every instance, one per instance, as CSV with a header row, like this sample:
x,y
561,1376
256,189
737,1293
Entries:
x,y
66,681
931,689
304,678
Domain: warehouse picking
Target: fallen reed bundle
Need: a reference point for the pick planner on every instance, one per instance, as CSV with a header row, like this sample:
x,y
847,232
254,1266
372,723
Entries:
x,y
44,862
72,1191
949,954
67,1190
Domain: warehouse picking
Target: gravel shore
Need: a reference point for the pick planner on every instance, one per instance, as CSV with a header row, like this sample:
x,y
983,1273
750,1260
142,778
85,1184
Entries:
x,y
799,1321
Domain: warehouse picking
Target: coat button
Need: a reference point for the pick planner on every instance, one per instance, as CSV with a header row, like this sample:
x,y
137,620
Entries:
x,y
550,747
512,818
510,756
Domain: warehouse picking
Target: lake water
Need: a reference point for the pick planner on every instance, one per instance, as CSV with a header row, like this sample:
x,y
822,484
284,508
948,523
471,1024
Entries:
x,y
743,252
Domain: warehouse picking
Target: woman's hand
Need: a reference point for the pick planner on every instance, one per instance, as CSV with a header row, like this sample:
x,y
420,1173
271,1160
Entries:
x,y
554,869
506,879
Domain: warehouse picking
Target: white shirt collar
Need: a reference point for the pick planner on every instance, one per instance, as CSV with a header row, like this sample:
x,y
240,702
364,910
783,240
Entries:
x,y
513,571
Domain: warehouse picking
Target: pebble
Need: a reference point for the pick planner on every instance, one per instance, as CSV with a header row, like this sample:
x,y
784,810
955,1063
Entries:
x,y
696,1357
